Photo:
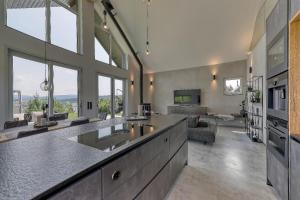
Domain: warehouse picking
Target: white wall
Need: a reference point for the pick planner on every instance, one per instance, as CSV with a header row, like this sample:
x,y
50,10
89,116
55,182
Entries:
x,y
259,63
14,40
212,92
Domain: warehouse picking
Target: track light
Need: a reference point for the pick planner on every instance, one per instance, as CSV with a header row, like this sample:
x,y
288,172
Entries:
x,y
105,26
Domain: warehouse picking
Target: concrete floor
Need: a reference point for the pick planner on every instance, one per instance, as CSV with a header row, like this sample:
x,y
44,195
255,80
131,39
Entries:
x,y
233,168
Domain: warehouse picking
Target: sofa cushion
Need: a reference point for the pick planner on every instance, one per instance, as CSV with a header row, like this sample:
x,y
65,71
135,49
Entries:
x,y
193,121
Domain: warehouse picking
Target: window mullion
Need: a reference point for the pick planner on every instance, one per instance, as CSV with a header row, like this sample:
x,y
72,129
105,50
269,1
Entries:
x,y
51,92
48,21
112,98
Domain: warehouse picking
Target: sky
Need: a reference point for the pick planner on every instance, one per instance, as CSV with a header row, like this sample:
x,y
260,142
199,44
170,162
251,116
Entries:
x,y
29,74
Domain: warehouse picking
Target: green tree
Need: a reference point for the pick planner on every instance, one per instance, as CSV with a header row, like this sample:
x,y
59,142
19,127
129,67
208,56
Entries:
x,y
34,104
104,106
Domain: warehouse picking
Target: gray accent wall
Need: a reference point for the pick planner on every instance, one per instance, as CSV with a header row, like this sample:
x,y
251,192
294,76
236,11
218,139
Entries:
x,y
160,94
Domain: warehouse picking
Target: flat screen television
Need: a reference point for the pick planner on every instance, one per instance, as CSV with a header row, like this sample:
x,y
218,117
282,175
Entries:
x,y
187,97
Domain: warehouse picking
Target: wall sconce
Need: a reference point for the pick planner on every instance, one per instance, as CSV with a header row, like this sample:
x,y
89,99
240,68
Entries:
x,y
250,70
151,83
214,77
132,82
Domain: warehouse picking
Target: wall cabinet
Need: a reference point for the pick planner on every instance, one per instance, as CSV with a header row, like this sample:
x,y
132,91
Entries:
x,y
295,170
277,20
295,8
88,188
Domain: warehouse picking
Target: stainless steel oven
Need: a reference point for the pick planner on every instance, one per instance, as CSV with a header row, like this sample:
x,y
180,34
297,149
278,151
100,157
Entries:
x,y
277,54
278,96
277,140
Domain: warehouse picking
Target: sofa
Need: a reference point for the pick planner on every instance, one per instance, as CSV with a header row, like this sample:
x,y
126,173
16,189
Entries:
x,y
202,129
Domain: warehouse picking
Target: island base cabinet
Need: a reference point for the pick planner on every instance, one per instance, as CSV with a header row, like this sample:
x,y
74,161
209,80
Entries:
x,y
295,170
162,183
88,188
178,162
159,187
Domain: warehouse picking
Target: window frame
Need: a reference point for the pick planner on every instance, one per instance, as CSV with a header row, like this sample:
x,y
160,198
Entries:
x,y
112,93
48,24
12,53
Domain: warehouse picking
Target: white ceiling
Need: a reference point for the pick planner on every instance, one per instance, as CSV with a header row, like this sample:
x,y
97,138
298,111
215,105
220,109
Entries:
x,y
189,33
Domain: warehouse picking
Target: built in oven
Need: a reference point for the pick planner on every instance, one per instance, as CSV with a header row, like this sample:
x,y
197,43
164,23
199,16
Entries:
x,y
277,54
278,96
277,140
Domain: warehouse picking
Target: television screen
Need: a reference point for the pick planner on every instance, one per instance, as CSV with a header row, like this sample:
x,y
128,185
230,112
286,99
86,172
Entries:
x,y
187,97
183,99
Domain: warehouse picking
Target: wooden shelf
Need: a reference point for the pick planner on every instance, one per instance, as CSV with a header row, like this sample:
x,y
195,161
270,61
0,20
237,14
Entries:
x,y
294,75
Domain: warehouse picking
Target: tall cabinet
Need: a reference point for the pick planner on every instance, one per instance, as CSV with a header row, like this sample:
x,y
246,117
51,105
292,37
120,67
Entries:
x,y
277,99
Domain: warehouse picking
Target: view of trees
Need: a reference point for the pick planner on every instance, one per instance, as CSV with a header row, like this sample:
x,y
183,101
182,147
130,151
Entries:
x,y
105,106
35,104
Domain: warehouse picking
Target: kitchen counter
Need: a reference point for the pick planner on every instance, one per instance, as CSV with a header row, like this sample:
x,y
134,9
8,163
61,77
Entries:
x,y
37,166
296,137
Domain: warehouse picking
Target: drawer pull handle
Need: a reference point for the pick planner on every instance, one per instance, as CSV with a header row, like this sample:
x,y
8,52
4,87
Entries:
x,y
166,140
116,175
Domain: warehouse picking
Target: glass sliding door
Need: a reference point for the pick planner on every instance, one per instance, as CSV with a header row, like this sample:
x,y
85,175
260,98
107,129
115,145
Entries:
x,y
104,97
28,98
65,91
119,98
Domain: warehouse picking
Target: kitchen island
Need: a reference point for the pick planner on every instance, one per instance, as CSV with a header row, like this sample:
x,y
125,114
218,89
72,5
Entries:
x,y
113,159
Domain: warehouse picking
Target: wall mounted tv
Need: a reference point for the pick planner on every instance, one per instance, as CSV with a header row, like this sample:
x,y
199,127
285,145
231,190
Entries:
x,y
187,97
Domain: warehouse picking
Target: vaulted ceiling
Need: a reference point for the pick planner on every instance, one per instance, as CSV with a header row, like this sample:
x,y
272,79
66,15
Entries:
x,y
189,33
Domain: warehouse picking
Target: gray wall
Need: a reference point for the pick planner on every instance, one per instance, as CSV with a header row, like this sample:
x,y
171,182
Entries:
x,y
164,83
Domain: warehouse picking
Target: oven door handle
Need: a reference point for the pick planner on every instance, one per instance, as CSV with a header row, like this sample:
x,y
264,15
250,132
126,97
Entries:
x,y
276,133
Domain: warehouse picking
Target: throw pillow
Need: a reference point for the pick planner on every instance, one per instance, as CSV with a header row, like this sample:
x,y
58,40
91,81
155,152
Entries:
x,y
193,121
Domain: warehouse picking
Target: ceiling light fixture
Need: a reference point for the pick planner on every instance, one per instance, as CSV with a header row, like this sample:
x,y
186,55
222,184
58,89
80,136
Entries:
x,y
147,31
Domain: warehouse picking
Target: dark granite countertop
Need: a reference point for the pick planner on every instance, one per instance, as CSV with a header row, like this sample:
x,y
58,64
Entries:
x,y
34,167
296,137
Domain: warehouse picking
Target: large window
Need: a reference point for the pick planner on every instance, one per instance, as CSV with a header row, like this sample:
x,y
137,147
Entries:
x,y
107,50
104,96
27,17
31,17
111,97
27,76
65,91
29,99
119,98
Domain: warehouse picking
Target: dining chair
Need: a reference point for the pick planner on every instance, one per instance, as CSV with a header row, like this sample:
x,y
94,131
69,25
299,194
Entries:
x,y
14,124
32,132
80,121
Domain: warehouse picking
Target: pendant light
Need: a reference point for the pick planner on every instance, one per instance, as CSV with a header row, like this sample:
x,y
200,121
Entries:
x,y
147,31
46,85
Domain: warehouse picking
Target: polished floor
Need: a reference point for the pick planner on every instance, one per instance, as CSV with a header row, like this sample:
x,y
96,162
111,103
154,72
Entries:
x,y
233,168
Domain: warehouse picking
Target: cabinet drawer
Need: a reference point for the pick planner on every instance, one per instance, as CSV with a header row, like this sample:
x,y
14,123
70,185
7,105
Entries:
x,y
178,135
295,170
119,171
88,188
134,185
178,162
158,188
277,175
